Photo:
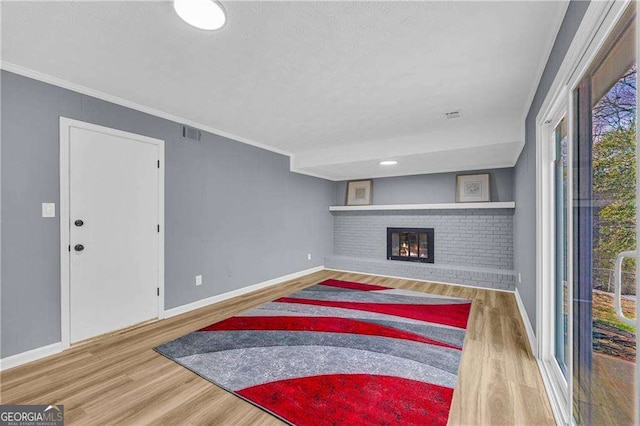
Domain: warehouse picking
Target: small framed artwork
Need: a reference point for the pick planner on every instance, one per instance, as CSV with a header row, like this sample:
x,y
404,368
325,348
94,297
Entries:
x,y
359,192
473,188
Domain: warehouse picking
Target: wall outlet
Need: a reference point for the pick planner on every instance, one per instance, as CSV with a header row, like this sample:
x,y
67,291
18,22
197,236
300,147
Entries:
x,y
198,279
229,273
308,256
520,277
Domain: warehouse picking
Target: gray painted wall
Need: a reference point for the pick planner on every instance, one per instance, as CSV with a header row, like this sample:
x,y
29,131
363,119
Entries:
x,y
219,194
525,170
432,188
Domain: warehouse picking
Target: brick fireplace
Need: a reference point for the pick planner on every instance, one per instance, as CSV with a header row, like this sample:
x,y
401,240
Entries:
x,y
474,246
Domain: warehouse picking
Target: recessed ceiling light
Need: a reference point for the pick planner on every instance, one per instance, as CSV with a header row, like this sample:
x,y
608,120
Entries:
x,y
203,14
388,163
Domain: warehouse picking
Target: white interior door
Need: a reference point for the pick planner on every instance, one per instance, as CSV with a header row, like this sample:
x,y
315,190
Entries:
x,y
113,232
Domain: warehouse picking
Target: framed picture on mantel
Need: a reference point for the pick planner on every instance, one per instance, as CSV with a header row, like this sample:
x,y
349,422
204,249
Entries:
x,y
359,192
473,188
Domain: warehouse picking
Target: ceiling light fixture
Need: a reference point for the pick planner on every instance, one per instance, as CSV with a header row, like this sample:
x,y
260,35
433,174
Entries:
x,y
203,14
388,163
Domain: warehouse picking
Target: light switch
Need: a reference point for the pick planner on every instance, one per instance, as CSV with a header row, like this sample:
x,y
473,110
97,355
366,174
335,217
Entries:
x,y
48,210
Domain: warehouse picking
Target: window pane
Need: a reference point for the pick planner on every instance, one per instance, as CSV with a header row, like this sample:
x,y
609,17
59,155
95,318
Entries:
x,y
404,244
561,267
413,244
424,251
605,153
395,244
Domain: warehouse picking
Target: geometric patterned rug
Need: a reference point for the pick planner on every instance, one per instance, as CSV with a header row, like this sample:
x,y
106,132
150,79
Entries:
x,y
337,352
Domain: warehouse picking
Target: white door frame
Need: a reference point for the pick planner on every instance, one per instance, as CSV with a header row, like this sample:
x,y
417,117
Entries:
x,y
557,385
598,22
65,267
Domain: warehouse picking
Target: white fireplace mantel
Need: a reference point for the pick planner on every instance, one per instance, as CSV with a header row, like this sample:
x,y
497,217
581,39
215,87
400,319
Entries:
x,y
436,206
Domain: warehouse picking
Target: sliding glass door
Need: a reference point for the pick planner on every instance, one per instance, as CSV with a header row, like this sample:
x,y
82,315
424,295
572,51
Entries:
x,y
604,171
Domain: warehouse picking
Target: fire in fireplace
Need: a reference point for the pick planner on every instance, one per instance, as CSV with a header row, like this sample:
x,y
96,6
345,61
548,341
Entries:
x,y
410,244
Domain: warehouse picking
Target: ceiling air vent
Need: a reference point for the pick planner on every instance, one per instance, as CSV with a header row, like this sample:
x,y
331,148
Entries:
x,y
453,115
191,133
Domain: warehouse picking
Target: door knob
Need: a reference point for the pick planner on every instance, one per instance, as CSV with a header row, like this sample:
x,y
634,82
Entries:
x,y
78,222
78,247
617,287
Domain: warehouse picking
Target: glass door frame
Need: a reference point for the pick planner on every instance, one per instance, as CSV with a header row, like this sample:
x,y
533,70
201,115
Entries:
x,y
596,26
558,386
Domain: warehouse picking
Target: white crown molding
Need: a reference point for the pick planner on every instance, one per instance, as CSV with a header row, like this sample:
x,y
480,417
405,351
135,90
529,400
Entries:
x,y
555,29
294,169
557,24
315,175
598,20
46,78
239,292
294,166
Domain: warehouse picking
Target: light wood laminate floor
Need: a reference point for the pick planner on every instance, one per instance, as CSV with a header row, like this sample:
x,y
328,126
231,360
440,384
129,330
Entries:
x,y
120,379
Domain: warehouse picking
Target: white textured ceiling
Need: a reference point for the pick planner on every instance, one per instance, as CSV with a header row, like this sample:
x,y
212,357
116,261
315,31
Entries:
x,y
336,85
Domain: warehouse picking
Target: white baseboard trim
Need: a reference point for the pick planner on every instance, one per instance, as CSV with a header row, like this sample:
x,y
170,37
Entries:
x,y
533,341
29,356
417,279
168,313
55,348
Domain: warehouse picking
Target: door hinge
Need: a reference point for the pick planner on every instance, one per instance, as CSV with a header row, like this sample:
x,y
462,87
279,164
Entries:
x,y
158,163
158,291
158,228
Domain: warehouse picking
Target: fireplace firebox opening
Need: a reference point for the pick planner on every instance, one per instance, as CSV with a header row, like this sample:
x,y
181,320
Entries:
x,y
410,244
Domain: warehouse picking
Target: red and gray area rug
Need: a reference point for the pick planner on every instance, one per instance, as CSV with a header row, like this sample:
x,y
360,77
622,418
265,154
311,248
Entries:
x,y
337,352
